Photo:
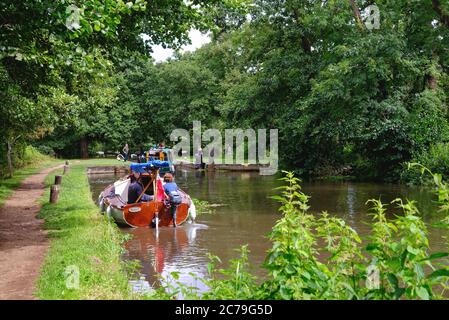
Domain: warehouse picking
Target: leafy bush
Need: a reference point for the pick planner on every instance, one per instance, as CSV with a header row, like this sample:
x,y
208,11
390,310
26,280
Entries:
x,y
29,155
323,258
436,158
95,147
22,156
47,150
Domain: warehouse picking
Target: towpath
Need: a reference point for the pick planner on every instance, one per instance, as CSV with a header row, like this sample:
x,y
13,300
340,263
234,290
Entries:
x,y
23,243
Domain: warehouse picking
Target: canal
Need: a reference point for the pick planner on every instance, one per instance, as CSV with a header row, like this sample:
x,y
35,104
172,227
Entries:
x,y
244,214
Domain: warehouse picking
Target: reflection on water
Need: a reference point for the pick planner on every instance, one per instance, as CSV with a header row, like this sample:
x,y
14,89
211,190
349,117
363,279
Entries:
x,y
168,250
246,215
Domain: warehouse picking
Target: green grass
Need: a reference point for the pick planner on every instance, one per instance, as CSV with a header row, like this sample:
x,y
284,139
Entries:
x,y
202,207
82,238
7,186
99,162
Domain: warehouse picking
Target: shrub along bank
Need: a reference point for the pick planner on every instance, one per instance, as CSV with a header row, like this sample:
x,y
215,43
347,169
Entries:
x,y
322,257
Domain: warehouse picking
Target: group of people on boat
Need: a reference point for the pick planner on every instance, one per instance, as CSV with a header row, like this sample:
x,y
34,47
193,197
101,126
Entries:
x,y
171,193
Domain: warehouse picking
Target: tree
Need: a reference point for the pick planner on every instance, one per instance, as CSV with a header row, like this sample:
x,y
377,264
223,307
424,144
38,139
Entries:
x,y
49,42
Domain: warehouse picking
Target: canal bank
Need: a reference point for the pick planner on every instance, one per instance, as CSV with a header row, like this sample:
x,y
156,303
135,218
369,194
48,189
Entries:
x,y
83,261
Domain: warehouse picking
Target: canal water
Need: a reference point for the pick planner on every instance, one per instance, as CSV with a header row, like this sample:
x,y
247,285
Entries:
x,y
243,214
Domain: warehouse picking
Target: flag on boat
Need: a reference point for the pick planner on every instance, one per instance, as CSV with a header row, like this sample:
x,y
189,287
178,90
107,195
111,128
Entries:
x,y
160,189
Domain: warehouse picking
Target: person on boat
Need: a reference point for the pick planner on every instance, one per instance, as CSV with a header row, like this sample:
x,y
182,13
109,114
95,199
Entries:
x,y
172,194
136,189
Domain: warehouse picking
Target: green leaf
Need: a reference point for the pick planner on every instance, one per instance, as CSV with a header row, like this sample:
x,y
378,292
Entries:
x,y
175,275
422,293
372,246
285,293
439,273
437,178
393,280
290,269
435,256
398,292
412,250
97,26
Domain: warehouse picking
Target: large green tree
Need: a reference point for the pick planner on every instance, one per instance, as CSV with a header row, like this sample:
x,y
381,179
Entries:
x,y
345,97
60,43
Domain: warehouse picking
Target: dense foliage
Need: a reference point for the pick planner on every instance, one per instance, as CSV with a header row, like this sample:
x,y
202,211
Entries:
x,y
347,99
58,59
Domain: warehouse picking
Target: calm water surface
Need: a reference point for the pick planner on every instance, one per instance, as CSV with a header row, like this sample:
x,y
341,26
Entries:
x,y
244,214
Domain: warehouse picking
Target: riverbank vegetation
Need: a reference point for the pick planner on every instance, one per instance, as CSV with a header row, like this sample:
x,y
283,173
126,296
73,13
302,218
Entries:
x,y
322,257
84,259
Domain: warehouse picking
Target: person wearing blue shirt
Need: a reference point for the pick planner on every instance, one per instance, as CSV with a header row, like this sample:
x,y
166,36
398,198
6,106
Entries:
x,y
172,194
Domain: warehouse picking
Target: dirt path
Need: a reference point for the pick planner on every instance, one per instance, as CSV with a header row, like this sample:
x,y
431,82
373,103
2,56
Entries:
x,y
23,243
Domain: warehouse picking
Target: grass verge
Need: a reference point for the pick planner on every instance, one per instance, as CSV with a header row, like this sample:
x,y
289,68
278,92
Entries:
x,y
83,243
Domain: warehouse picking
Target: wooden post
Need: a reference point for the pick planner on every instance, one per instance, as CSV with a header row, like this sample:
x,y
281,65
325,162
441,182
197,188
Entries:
x,y
67,162
66,169
54,194
58,180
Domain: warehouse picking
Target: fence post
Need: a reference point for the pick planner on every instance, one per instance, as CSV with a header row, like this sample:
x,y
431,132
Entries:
x,y
54,194
58,180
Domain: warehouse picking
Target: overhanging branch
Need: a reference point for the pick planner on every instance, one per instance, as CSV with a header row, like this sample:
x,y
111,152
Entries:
x,y
357,15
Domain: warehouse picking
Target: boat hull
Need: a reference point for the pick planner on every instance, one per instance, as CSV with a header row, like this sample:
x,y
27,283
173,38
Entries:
x,y
144,214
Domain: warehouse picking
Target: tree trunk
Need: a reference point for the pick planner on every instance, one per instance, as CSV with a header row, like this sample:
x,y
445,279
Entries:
x,y
83,146
9,156
357,15
305,41
432,83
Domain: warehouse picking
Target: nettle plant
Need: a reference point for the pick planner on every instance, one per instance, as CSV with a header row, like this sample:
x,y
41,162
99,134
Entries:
x,y
322,257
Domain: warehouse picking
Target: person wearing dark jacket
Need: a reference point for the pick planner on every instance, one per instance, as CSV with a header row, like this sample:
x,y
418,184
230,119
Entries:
x,y
135,190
